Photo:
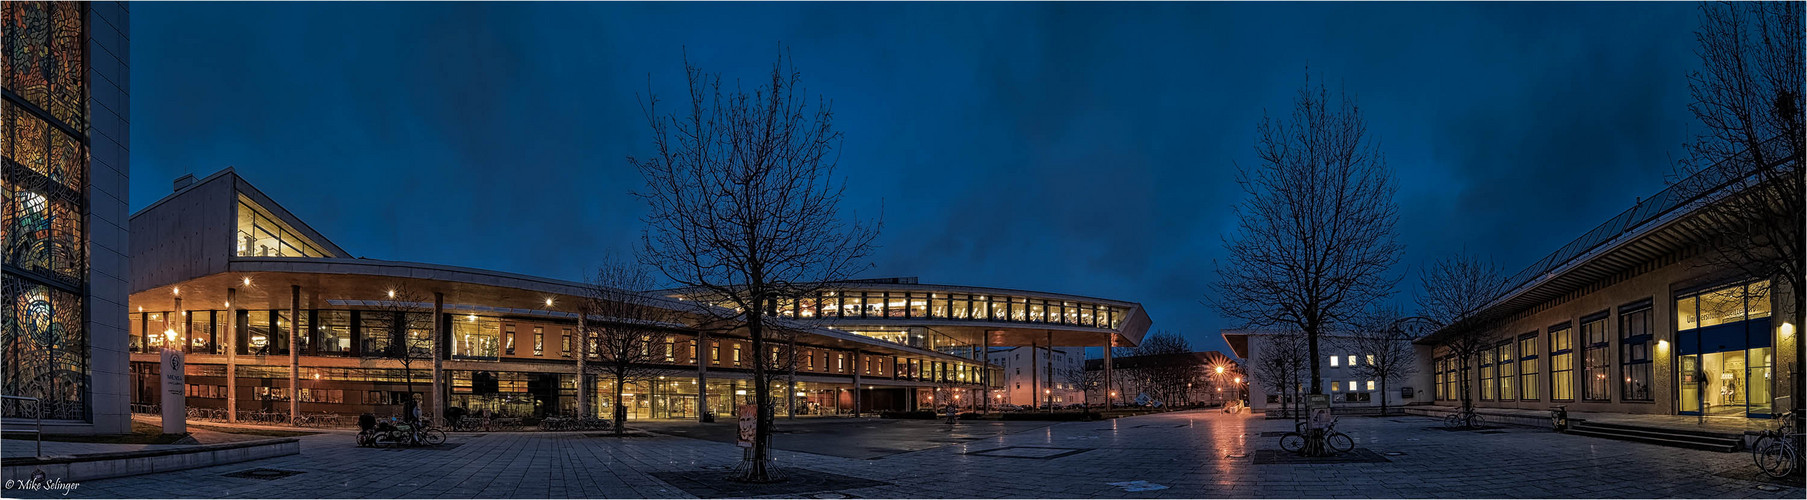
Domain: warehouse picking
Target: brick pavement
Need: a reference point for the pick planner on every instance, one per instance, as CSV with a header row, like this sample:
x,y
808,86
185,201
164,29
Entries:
x,y
1192,454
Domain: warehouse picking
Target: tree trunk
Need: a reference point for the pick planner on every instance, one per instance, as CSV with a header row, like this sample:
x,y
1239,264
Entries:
x,y
1383,396
757,471
619,413
1312,336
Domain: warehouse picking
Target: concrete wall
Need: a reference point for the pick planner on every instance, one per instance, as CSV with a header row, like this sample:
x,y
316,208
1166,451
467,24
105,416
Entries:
x,y
109,139
1033,376
185,236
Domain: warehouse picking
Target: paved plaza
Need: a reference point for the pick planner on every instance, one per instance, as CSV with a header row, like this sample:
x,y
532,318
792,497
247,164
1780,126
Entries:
x,y
1172,455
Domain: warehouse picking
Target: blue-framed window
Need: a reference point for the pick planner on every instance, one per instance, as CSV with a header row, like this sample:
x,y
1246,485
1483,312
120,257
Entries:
x,y
1635,338
1596,344
1562,363
1527,367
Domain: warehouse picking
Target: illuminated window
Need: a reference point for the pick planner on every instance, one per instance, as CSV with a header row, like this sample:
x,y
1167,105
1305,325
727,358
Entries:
x,y
1634,353
1527,366
1336,386
1333,361
1596,381
1508,375
539,341
565,342
261,235
1562,364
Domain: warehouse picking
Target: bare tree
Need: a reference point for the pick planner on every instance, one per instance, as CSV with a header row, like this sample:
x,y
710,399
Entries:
x,y
1455,291
1748,95
1164,365
1383,342
1279,365
409,335
745,209
626,329
1085,380
1315,241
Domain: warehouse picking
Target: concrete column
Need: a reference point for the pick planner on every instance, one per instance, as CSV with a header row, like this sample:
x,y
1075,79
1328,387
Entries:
x,y
703,354
1035,389
1048,361
231,355
294,352
437,350
178,317
985,364
583,365
1109,340
175,401
790,396
856,383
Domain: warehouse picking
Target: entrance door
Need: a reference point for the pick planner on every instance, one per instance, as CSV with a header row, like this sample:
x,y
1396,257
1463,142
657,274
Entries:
x,y
1727,383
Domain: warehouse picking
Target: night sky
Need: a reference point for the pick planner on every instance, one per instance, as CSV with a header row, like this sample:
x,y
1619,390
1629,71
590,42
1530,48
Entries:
x,y
1075,148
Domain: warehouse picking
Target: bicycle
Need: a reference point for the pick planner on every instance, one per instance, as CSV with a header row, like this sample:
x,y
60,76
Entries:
x,y
1334,440
1778,452
1559,418
1463,418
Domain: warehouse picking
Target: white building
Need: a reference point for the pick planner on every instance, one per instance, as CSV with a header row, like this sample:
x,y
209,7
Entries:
x,y
1028,380
1337,369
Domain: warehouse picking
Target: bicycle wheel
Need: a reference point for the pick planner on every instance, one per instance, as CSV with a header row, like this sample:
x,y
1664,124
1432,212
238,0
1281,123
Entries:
x,y
1340,442
1776,458
1452,420
433,437
1763,441
1292,442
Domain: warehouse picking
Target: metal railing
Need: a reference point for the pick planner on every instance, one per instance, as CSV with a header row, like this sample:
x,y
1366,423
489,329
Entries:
x,y
39,404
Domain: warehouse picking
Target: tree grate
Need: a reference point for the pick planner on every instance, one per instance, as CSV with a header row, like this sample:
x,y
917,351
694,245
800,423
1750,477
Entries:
x,y
262,473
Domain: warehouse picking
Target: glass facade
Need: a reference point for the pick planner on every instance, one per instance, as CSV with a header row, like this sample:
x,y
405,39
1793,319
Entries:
x,y
260,235
909,304
44,125
1725,351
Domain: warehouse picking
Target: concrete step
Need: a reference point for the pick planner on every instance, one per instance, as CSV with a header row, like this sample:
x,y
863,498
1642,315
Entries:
x,y
1664,437
1733,436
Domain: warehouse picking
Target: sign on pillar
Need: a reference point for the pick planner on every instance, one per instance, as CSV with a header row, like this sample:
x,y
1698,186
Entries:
x,y
175,392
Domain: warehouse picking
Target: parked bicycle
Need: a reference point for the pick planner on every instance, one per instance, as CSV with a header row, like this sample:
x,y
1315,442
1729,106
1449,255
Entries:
x,y
1463,418
1559,418
1333,440
1778,451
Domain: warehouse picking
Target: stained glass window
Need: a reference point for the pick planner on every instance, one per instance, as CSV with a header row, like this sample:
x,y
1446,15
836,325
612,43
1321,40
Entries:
x,y
46,348
43,123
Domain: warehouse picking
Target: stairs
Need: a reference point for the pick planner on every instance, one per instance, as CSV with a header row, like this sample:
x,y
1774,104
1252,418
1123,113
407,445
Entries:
x,y
1681,438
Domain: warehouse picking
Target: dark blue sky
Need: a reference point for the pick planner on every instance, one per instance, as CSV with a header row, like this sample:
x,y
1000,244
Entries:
x,y
1076,148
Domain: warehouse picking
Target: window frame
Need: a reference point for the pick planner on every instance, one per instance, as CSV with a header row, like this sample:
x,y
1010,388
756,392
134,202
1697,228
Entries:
x,y
1567,353
1527,389
1628,362
1596,368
